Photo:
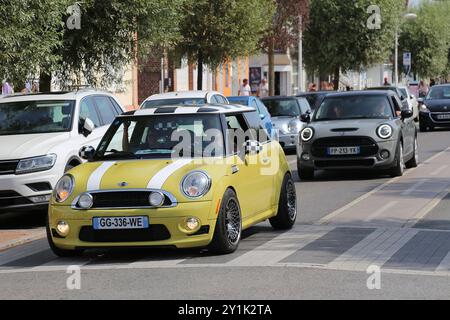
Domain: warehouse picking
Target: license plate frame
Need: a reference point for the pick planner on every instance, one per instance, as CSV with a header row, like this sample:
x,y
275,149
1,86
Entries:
x,y
443,116
120,223
344,151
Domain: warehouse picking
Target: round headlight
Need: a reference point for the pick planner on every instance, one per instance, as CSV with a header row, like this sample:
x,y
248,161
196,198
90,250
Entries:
x,y
424,108
384,131
63,228
196,184
307,134
86,201
156,199
192,223
64,188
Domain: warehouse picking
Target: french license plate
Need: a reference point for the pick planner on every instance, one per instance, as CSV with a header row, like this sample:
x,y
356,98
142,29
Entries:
x,y
120,223
343,151
443,116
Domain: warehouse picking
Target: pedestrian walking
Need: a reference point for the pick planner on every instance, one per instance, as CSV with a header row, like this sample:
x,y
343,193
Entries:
x,y
386,82
423,89
6,88
313,88
245,90
263,90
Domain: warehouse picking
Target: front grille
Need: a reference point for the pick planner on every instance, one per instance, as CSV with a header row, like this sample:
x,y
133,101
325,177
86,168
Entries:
x,y
368,147
156,232
12,198
8,166
345,163
124,199
435,117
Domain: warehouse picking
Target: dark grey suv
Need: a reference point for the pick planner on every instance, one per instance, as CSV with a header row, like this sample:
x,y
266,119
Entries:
x,y
358,130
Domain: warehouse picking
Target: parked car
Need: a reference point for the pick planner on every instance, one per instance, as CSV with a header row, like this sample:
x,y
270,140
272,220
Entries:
x,y
133,193
358,130
396,90
40,135
197,98
285,113
314,98
413,104
256,103
435,108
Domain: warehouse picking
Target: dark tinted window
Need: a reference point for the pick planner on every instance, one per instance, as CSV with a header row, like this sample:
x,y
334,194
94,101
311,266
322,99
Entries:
x,y
283,107
106,109
116,106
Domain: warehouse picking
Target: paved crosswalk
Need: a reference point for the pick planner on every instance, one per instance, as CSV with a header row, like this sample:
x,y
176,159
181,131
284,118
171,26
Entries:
x,y
395,250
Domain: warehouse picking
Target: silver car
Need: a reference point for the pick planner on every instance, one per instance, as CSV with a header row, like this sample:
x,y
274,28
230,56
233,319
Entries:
x,y
285,113
358,130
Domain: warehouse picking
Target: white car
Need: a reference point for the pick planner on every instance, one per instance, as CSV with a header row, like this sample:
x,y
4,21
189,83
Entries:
x,y
412,101
184,98
40,137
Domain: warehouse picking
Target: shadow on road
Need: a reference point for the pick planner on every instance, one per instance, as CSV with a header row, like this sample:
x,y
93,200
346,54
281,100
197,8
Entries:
x,y
22,220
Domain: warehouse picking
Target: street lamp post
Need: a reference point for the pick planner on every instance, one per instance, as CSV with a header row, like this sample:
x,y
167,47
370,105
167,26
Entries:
x,y
300,55
408,16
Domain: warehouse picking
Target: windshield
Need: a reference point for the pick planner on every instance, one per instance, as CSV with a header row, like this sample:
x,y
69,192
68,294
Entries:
x,y
29,117
404,92
283,108
174,102
437,93
354,107
163,136
242,101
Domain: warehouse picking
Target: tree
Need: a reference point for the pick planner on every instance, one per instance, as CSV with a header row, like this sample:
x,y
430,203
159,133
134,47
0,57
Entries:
x,y
284,31
352,36
215,31
107,38
31,34
428,39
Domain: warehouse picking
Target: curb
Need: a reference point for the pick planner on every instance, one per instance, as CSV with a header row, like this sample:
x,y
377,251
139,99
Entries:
x,y
33,236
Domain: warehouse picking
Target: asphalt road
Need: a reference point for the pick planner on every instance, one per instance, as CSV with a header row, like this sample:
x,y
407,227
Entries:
x,y
347,223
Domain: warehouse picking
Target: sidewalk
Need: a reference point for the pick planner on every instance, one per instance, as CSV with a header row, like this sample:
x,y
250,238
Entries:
x,y
13,238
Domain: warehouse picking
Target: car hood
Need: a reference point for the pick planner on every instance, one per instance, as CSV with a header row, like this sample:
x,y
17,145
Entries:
x,y
30,145
161,174
282,123
441,105
362,127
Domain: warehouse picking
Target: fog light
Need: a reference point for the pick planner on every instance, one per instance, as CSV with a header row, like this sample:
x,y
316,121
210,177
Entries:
x,y
192,224
306,157
86,201
37,199
63,228
156,199
385,154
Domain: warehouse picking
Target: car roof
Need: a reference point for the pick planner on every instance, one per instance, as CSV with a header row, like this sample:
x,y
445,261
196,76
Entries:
x,y
361,93
383,88
181,95
183,110
57,95
441,85
280,98
312,93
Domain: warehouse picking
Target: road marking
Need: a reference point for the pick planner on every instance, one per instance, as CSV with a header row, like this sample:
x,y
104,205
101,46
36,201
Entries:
x,y
445,264
427,209
439,170
327,219
416,186
383,209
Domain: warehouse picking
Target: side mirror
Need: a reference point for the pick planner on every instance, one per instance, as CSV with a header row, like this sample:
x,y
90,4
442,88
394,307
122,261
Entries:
x,y
87,127
306,118
407,114
87,153
420,100
262,116
252,147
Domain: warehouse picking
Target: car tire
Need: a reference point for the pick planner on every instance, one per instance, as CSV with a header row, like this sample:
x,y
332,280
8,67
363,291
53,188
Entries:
x,y
414,162
287,206
305,174
228,231
399,168
62,253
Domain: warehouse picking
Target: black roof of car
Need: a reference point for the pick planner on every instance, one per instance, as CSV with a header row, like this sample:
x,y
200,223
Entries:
x,y
280,98
361,93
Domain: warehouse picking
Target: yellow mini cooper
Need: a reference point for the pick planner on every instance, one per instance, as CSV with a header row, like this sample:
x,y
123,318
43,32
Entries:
x,y
178,177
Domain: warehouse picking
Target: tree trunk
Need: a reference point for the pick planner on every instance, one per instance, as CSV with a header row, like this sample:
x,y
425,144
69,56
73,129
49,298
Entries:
x,y
337,74
45,81
271,58
200,71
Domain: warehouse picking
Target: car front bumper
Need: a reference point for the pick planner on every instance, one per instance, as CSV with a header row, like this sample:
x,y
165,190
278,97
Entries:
x,y
288,141
164,230
374,162
429,119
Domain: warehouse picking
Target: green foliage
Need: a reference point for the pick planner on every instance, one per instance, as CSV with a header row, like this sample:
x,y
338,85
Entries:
x,y
338,36
219,30
428,39
30,33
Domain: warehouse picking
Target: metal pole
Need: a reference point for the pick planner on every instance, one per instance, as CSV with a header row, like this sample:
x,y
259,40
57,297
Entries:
x,y
396,57
300,55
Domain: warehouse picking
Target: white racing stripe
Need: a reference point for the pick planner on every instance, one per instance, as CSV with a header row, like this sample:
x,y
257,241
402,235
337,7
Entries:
x,y
161,177
96,177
